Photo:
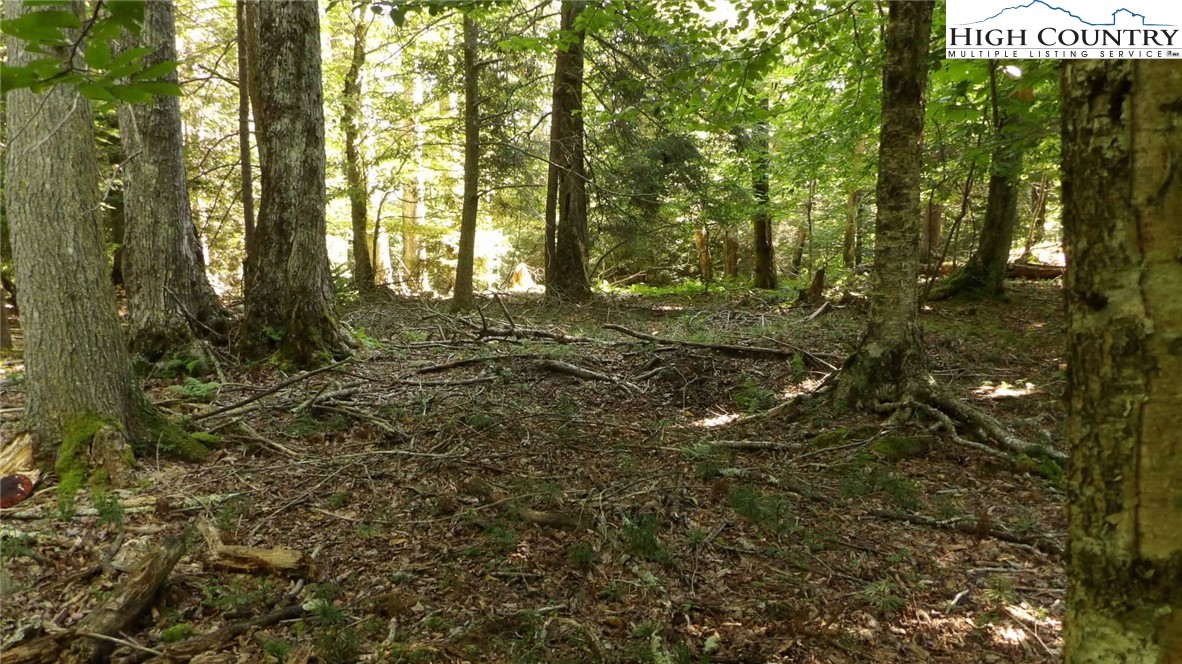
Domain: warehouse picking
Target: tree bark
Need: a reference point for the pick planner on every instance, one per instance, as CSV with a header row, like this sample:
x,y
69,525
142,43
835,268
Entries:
x,y
76,358
730,251
1039,192
413,254
853,207
462,297
244,154
888,362
705,261
570,279
1121,196
761,223
356,178
933,226
170,301
289,294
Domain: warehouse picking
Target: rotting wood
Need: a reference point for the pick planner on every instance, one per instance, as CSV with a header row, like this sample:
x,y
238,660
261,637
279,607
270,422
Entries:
x,y
134,505
551,519
289,562
971,527
188,649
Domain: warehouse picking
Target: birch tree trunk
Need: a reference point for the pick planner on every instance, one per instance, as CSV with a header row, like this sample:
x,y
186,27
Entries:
x,y
888,361
289,295
1121,197
76,359
568,278
462,293
170,301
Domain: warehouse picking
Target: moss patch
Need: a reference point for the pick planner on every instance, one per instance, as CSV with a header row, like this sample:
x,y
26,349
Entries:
x,y
71,465
897,448
165,436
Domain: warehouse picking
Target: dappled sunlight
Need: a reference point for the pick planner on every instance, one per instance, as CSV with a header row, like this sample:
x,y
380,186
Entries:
x,y
803,387
1004,390
714,421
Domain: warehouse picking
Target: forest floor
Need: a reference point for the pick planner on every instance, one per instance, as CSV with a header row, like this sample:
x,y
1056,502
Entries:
x,y
465,499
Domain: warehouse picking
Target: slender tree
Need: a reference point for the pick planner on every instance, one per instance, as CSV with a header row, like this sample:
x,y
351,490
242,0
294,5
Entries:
x,y
244,154
76,358
356,177
170,301
1121,197
888,361
568,277
761,223
462,293
289,295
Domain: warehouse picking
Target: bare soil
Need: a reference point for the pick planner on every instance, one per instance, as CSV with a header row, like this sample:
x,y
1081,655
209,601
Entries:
x,y
498,510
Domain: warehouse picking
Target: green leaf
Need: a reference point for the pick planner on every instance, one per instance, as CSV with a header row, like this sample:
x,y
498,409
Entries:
x,y
156,71
98,54
159,88
95,92
132,94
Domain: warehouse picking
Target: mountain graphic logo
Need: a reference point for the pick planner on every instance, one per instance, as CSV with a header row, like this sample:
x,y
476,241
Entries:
x,y
1122,15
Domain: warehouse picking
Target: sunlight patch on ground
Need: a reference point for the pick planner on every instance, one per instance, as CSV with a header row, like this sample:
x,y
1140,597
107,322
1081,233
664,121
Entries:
x,y
1003,390
803,387
713,421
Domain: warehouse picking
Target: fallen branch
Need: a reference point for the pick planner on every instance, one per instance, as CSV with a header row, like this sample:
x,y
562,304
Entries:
x,y
586,374
135,505
727,349
237,558
271,390
218,639
970,527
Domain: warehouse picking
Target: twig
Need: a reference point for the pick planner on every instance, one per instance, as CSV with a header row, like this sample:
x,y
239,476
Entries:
x,y
586,374
291,381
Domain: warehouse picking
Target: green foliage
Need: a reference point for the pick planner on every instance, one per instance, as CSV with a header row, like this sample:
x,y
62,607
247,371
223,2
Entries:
x,y
581,555
768,511
196,389
50,28
753,397
71,462
277,648
110,509
862,480
641,539
880,595
16,546
177,633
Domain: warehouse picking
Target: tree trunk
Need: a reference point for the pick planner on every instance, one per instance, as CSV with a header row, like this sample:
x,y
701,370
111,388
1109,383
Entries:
x,y
705,263
1039,193
553,169
853,206
1121,196
761,223
933,225
413,257
797,263
356,178
170,301
730,250
888,362
76,359
250,40
571,280
244,154
462,294
289,303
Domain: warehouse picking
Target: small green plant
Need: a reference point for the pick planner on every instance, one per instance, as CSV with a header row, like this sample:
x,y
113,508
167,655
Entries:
x,y
754,398
196,389
480,421
645,630
768,511
1000,589
177,633
880,595
231,514
641,539
611,592
581,555
504,540
110,510
338,500
277,648
16,546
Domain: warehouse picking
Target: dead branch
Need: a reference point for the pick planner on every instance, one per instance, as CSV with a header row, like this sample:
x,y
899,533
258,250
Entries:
x,y
474,360
272,390
218,639
136,505
754,445
586,374
237,558
728,349
970,527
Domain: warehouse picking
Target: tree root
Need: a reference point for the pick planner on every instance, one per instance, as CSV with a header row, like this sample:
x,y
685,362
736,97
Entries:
x,y
985,427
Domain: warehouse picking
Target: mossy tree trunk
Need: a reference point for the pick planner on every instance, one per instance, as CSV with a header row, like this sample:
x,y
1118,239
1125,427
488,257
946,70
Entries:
x,y
569,278
356,178
1121,197
462,295
76,359
289,293
170,301
888,362
761,223
853,207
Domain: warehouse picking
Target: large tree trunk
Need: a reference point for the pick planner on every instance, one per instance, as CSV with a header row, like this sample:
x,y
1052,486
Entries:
x,y
888,362
76,359
289,298
244,154
569,278
466,263
170,301
730,252
932,228
356,178
413,254
1121,196
761,223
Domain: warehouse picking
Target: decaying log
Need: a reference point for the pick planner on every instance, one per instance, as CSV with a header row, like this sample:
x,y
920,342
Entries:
x,y
219,638
249,559
1034,271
